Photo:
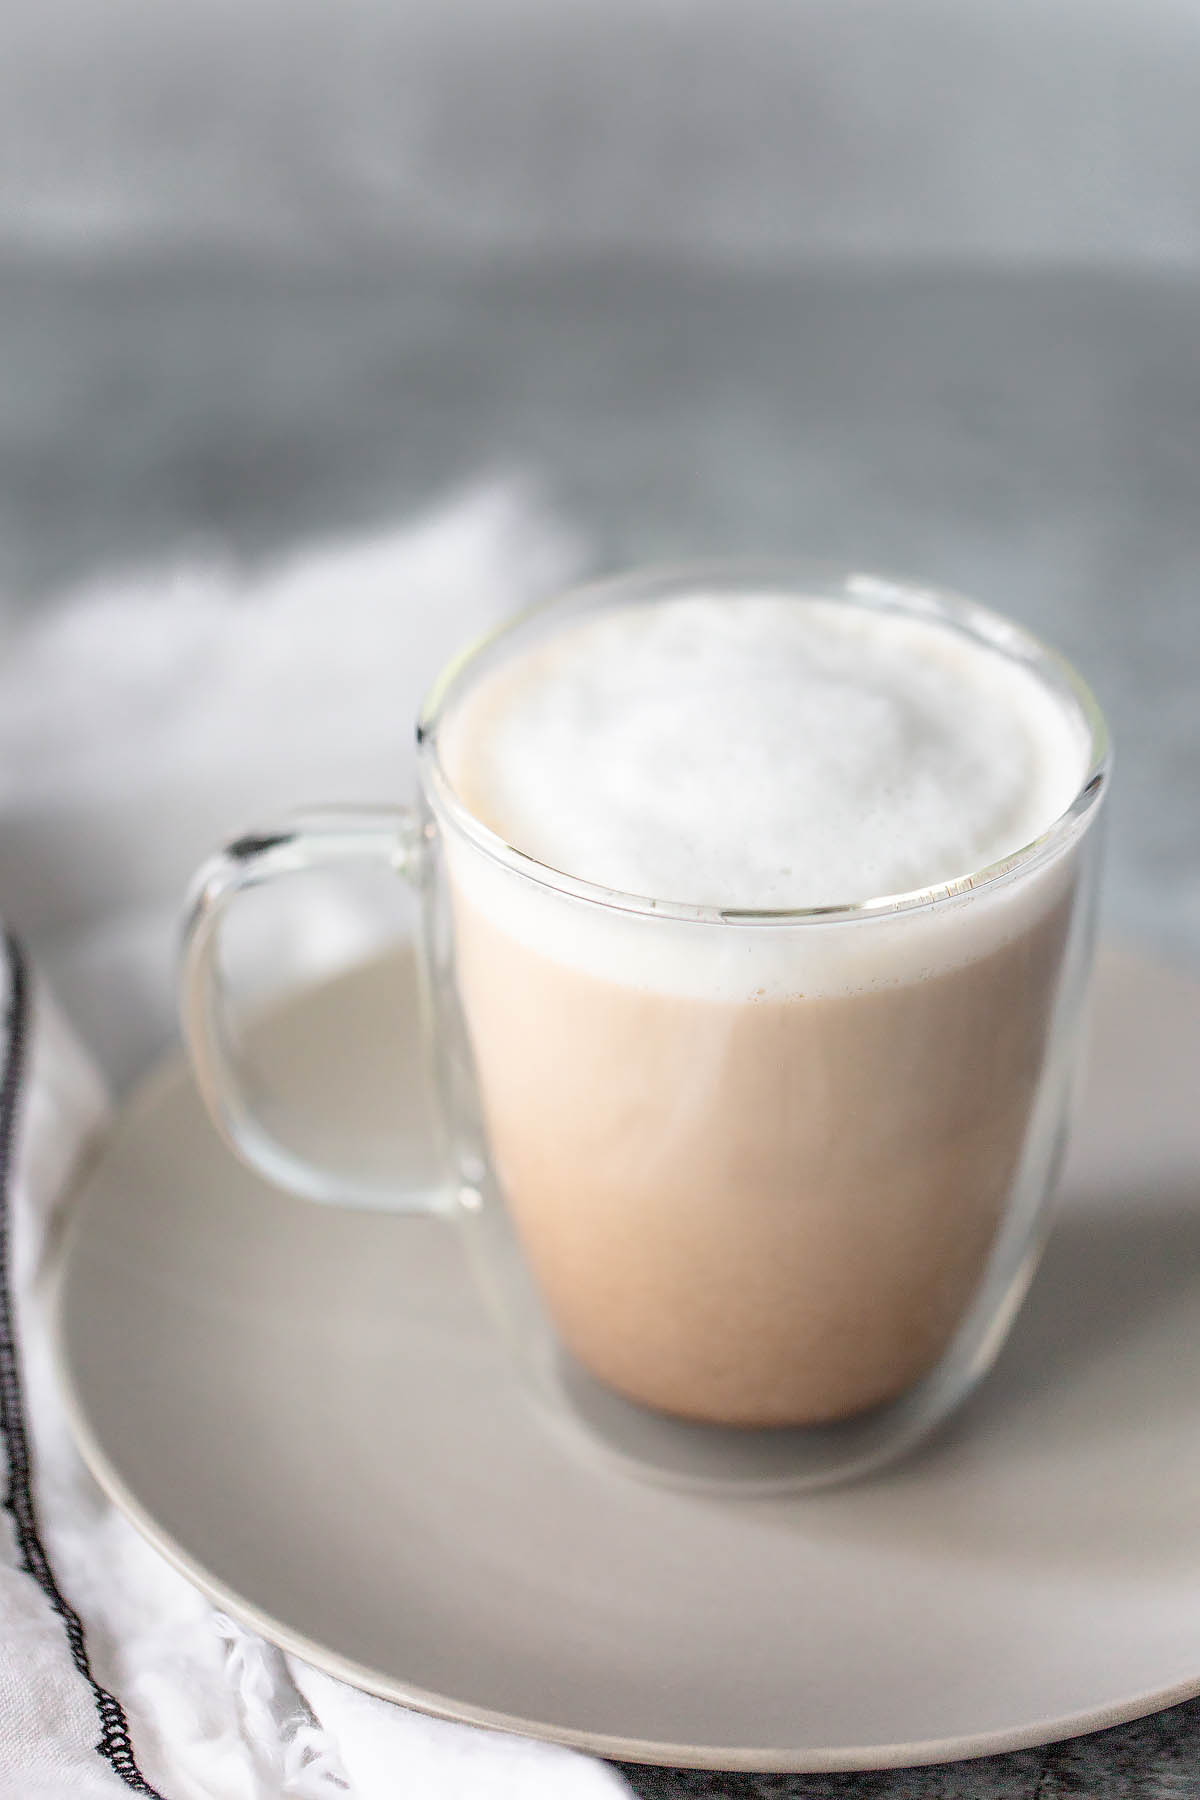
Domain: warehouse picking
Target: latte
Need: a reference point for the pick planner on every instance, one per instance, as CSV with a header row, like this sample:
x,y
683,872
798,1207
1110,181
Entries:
x,y
757,1164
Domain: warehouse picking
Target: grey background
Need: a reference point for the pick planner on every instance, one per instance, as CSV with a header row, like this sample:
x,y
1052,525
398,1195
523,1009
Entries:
x,y
910,282
772,130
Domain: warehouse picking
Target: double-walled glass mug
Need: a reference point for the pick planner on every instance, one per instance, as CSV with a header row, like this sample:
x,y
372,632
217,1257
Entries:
x,y
754,1194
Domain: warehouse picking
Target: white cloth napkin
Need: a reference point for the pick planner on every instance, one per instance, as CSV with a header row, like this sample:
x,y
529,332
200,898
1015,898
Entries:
x,y
117,1676
147,719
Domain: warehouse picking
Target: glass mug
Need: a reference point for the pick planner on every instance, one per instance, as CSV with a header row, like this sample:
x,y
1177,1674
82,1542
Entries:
x,y
734,1243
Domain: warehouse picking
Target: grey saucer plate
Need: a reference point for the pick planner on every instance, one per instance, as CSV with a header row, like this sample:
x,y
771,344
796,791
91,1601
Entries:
x,y
307,1411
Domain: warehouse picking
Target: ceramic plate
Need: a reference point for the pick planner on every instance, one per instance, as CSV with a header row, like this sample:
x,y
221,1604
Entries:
x,y
308,1413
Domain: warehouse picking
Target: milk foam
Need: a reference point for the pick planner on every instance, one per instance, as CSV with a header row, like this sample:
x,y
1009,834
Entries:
x,y
764,753
761,752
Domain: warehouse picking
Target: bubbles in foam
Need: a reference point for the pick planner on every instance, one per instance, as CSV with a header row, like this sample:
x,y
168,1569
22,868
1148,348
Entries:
x,y
763,752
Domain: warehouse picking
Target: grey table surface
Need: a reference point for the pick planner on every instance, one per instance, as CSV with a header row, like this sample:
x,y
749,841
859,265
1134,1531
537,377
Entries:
x,y
1026,434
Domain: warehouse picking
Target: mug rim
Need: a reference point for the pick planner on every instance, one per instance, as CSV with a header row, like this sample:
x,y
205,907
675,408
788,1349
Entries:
x,y
800,579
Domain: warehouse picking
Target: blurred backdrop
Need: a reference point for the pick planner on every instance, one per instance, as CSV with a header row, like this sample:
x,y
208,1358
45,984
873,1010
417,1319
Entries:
x,y
776,130
914,283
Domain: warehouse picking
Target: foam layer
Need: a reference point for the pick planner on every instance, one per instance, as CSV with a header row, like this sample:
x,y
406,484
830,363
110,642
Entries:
x,y
763,752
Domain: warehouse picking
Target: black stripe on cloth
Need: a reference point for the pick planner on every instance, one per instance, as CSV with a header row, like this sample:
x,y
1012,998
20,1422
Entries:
x,y
114,1743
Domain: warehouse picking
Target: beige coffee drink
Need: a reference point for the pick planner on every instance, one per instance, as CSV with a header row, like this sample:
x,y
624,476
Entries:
x,y
756,1166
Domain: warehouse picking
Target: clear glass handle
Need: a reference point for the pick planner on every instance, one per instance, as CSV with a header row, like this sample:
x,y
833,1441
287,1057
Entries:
x,y
390,836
